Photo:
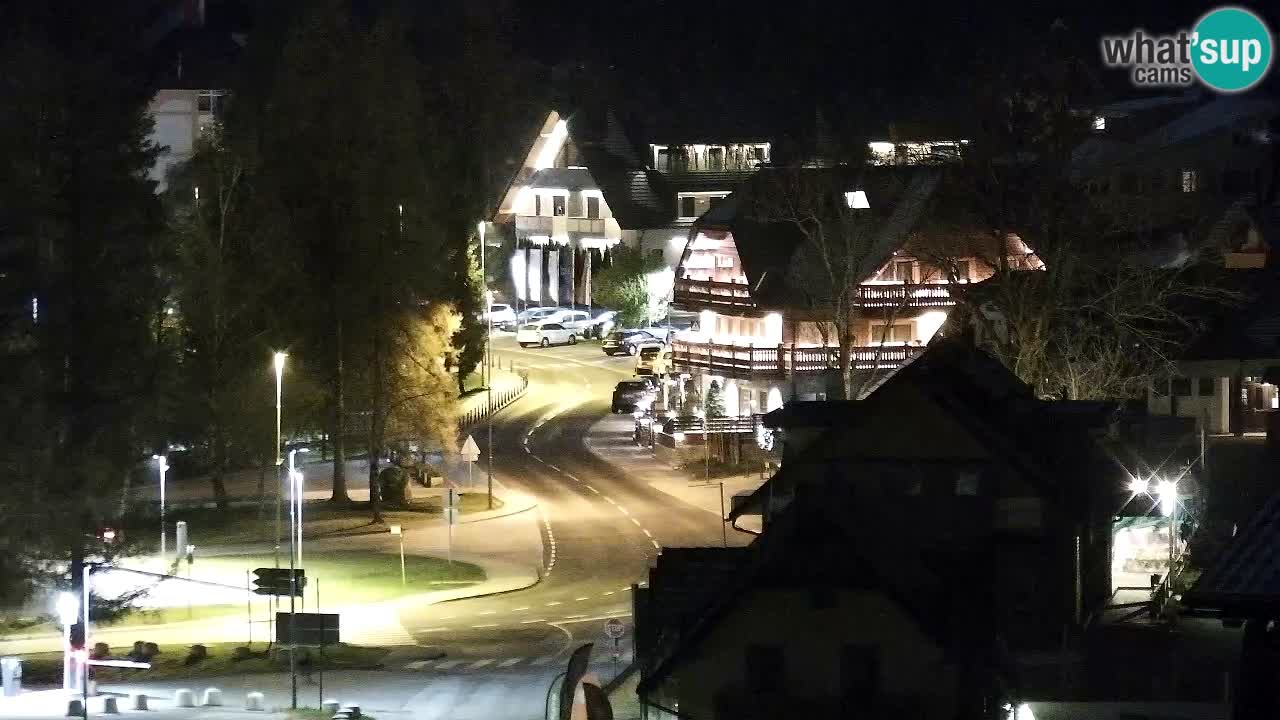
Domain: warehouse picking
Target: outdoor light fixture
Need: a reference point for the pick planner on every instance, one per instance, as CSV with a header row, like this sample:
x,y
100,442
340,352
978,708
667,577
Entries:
x,y
162,463
1167,490
67,606
1138,486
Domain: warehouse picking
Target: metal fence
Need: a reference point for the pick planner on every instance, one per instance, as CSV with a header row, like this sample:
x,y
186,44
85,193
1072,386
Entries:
x,y
495,402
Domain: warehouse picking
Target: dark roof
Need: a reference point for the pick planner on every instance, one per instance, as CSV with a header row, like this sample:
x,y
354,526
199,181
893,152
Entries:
x,y
1246,578
770,248
1251,332
570,178
817,546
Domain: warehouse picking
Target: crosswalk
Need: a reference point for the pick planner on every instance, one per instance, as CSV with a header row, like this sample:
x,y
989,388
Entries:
x,y
456,665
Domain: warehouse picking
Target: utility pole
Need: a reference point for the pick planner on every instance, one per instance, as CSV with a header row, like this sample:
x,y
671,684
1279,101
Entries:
x,y
488,363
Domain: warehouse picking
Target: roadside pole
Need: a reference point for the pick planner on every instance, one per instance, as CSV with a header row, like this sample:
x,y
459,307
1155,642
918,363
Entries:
x,y
488,362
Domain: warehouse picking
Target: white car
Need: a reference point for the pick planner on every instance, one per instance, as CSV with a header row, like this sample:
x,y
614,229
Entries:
x,y
572,319
499,314
545,334
654,360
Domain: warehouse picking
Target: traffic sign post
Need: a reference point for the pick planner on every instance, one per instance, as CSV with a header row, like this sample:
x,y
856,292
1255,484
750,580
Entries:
x,y
614,630
279,581
399,532
450,503
470,453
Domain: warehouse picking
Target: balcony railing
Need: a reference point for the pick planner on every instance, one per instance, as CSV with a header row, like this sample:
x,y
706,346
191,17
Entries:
x,y
559,224
712,294
782,360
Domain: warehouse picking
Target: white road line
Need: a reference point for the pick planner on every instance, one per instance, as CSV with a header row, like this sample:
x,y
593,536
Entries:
x,y
610,501
479,664
572,617
447,664
553,602
610,592
584,597
533,620
637,522
593,490
624,511
434,629
553,467
655,544
489,625
526,607
417,664
448,617
488,612
647,533
509,662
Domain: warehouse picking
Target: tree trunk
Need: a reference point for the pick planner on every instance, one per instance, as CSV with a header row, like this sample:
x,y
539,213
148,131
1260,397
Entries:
x,y
376,426
339,422
219,467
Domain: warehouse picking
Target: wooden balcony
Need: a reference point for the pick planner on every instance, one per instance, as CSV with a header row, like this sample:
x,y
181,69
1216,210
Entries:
x,y
743,361
712,295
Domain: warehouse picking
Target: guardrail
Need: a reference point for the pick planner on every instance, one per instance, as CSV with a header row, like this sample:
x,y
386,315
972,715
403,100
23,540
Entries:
x,y
747,360
494,403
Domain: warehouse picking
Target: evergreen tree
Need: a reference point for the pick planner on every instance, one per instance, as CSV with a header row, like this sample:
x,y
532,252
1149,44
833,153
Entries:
x,y
715,400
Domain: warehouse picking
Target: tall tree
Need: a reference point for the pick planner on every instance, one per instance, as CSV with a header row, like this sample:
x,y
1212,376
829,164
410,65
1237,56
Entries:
x,y
84,222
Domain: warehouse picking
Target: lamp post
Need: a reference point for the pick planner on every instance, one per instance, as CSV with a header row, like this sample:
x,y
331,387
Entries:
x,y
706,444
162,462
278,362
68,608
488,363
1167,491
296,485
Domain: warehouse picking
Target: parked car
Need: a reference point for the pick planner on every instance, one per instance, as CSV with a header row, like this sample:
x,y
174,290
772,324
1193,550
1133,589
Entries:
x,y
545,333
603,324
628,394
628,342
499,314
531,315
578,320
654,360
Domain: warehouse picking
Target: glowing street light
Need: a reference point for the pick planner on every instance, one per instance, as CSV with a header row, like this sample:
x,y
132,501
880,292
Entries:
x,y
295,504
278,362
162,463
1167,491
67,606
1138,486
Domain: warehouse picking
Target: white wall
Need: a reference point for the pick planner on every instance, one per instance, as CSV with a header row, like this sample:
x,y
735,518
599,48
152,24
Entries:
x,y
177,125
1214,407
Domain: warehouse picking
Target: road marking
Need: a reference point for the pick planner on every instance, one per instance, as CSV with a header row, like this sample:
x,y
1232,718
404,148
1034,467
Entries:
x,y
448,617
553,467
509,662
637,522
544,660
447,664
489,625
624,511
610,501
526,607
479,664
647,533
434,629
534,620
553,602
584,597
488,612
593,490
655,544
417,664
572,617
610,592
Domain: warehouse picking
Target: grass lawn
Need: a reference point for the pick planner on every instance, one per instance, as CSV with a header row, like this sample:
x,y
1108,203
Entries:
x,y
137,617
359,577
46,668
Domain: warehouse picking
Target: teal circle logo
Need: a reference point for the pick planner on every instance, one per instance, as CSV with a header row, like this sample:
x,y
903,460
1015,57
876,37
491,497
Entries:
x,y
1231,49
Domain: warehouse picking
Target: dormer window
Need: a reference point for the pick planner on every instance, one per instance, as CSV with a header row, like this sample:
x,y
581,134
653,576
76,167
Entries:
x,y
692,205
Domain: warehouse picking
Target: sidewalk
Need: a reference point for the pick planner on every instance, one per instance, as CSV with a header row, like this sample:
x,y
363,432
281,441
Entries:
x,y
53,704
610,439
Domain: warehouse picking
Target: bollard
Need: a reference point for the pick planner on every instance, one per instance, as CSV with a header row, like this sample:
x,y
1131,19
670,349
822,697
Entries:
x,y
212,697
254,701
184,698
139,701
329,707
109,706
75,708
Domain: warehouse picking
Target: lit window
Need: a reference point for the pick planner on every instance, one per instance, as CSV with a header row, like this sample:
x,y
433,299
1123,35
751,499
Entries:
x,y
1099,123
1190,181
856,199
557,205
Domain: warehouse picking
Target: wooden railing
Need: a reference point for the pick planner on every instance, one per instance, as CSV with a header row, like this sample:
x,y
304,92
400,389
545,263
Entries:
x,y
746,360
711,293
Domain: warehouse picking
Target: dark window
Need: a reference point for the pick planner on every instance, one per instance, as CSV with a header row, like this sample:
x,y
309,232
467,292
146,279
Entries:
x,y
537,204
593,207
687,205
765,669
557,205
967,483
715,158
1181,386
713,201
859,672
1128,183
1206,386
1157,181
962,270
1235,181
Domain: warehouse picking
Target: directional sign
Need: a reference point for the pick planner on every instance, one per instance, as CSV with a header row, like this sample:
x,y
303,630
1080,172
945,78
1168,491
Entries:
x,y
275,581
614,628
314,629
470,452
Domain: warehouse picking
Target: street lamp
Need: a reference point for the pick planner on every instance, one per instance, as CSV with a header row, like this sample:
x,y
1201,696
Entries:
x,y
1167,491
162,463
295,504
488,362
68,609
1138,486
706,444
278,362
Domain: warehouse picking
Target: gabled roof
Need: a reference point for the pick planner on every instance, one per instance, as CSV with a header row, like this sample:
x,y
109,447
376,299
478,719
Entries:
x,y
1245,581
770,247
1249,333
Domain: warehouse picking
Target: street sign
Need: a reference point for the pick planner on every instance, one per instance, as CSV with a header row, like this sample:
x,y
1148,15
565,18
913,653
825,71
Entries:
x,y
450,497
395,529
470,452
275,581
314,629
614,628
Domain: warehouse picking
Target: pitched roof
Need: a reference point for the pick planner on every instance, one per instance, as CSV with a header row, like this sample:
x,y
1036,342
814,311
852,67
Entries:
x,y
1246,578
1245,333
